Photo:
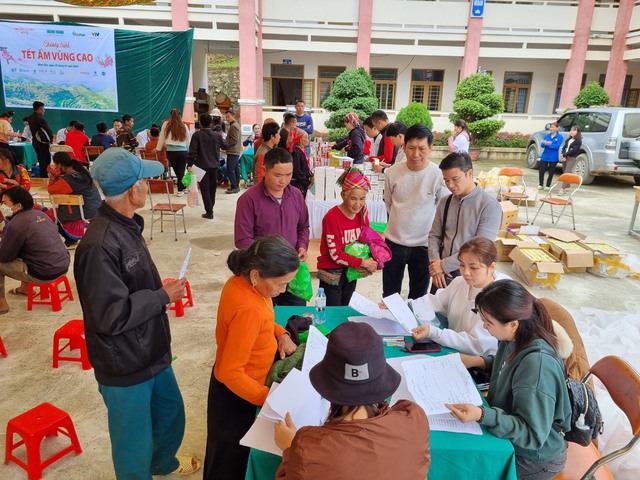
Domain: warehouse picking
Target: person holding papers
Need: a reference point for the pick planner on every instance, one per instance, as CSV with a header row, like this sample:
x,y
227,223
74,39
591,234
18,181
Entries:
x,y
248,340
528,398
464,331
363,437
341,226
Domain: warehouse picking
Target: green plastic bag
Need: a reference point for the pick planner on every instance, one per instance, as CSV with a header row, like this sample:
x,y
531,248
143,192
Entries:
x,y
186,180
301,285
360,250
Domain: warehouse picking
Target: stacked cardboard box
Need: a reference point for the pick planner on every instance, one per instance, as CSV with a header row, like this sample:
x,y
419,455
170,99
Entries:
x,y
566,247
536,266
608,261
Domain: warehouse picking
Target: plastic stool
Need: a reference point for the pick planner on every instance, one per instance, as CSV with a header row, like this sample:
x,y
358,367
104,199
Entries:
x,y
3,351
33,426
186,301
73,331
49,294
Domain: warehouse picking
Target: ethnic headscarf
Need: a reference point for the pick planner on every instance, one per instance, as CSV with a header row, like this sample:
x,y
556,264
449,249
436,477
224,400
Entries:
x,y
293,141
351,179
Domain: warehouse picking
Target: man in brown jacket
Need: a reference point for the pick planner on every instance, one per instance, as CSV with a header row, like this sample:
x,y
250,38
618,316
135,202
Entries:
x,y
234,150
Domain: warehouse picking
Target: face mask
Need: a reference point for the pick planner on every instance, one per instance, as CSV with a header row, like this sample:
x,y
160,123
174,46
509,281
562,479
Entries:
x,y
6,210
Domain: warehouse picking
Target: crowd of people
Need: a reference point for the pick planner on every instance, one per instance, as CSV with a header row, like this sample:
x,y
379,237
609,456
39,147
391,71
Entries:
x,y
441,227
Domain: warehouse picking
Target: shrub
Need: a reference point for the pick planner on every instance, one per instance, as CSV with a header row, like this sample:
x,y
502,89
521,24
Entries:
x,y
476,101
590,96
336,134
415,113
440,138
507,140
352,91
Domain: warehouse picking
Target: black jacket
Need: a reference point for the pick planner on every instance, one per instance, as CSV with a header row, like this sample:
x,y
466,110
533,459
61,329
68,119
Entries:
x,y
123,303
354,143
40,130
204,148
573,150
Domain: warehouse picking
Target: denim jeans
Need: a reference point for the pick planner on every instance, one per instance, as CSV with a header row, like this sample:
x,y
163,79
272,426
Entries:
x,y
540,470
417,259
233,170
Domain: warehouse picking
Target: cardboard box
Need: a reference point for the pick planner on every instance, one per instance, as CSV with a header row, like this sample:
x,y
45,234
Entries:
x,y
565,245
505,243
607,259
536,267
509,214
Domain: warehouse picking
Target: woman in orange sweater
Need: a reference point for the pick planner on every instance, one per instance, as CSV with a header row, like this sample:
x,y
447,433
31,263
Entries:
x,y
248,340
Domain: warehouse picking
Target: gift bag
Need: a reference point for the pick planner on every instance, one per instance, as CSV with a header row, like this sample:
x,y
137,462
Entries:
x,y
301,285
191,182
360,250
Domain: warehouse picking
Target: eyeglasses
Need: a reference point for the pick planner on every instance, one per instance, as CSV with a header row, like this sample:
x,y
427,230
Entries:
x,y
454,179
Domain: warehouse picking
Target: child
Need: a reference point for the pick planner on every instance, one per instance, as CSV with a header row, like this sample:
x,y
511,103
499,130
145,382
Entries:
x,y
341,226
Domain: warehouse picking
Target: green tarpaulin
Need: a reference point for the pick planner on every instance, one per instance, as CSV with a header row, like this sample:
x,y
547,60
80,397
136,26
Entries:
x,y
153,73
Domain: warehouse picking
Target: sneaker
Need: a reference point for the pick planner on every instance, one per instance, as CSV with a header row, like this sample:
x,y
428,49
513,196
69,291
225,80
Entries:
x,y
232,190
180,194
207,215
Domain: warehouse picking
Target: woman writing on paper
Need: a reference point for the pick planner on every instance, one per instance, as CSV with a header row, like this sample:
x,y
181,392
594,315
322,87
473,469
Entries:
x,y
464,330
248,340
528,398
362,437
341,226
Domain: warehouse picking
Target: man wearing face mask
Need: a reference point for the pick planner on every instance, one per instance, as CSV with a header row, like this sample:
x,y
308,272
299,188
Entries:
x,y
31,250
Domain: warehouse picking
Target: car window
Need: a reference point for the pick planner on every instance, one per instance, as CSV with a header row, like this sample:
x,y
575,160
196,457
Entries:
x,y
564,124
599,122
583,120
631,125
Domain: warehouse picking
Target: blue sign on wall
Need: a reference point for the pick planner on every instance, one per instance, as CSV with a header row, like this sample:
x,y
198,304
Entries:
x,y
477,8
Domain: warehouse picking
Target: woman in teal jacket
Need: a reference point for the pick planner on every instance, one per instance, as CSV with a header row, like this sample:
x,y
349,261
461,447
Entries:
x,y
549,159
528,398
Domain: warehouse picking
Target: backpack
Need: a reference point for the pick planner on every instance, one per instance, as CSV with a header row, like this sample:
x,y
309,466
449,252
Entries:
x,y
586,419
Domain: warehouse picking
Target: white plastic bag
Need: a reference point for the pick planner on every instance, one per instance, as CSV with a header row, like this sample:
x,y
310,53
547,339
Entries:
x,y
193,197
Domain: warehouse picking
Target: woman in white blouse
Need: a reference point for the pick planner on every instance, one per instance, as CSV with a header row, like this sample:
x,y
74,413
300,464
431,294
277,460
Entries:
x,y
459,141
464,331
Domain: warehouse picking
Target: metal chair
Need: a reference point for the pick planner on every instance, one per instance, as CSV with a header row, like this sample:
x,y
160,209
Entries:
x,y
570,178
146,155
508,195
623,384
91,152
55,148
71,200
176,209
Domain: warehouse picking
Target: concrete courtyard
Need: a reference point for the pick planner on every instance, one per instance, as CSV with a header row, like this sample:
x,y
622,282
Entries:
x,y
27,378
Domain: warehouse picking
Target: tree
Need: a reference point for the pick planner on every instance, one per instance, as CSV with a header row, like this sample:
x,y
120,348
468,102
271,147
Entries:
x,y
476,102
353,91
415,113
590,96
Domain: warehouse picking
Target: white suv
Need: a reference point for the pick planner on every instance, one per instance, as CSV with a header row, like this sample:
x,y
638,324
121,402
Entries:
x,y
607,133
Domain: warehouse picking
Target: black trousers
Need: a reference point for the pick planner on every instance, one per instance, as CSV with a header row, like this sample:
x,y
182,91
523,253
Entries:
x,y
417,259
339,295
454,274
544,166
233,170
44,157
208,187
178,160
229,417
288,299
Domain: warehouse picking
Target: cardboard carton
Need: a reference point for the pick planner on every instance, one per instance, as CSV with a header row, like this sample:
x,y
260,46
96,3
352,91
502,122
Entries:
x,y
509,214
565,246
505,243
607,259
536,267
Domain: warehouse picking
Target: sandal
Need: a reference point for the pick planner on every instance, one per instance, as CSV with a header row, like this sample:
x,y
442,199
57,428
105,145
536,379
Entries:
x,y
15,291
186,466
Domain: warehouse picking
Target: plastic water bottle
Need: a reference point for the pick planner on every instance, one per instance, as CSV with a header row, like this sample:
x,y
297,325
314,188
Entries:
x,y
321,306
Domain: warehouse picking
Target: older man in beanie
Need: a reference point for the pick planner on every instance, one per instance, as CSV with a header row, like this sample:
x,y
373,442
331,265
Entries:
x,y
126,325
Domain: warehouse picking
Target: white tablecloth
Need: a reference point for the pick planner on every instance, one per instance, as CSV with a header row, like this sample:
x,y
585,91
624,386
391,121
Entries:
x,y
319,208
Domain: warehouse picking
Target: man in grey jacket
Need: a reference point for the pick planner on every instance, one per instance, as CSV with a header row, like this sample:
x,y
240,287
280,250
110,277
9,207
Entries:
x,y
470,212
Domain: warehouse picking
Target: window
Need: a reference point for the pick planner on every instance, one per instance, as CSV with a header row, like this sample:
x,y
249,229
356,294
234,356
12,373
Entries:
x,y
384,80
556,103
426,88
565,122
626,88
517,86
286,85
631,125
593,122
326,79
632,98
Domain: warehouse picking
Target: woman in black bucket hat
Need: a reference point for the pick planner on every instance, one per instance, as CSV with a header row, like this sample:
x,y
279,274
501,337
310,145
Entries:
x,y
363,437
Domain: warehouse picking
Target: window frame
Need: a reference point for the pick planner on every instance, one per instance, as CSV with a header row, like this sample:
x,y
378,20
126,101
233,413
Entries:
x,y
426,85
517,87
387,83
326,80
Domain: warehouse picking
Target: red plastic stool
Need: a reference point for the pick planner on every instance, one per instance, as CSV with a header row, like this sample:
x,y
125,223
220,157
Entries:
x,y
186,301
3,351
73,331
33,426
49,294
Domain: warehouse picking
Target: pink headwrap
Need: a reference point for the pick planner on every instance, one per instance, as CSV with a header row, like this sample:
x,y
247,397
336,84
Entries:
x,y
351,179
293,140
352,118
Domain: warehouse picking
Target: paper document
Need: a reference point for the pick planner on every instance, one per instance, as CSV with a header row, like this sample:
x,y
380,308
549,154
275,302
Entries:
x,y
367,307
315,349
448,423
198,172
185,264
383,326
261,436
401,312
423,311
434,381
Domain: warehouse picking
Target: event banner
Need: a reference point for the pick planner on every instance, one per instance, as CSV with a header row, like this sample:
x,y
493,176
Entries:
x,y
66,67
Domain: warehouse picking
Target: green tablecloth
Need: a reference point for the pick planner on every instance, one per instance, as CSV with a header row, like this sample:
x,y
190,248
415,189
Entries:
x,y
453,455
25,153
246,163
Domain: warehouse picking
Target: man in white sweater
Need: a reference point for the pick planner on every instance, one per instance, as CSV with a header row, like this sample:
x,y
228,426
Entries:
x,y
411,193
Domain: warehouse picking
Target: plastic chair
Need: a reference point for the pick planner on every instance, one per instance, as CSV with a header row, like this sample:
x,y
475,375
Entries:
x,y
623,384
512,172
185,301
176,209
549,199
45,420
49,293
3,351
73,331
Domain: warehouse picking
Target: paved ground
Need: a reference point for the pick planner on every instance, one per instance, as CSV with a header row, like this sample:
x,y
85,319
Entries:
x,y
27,378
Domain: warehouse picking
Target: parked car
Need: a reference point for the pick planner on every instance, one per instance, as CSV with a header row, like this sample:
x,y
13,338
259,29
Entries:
x,y
607,134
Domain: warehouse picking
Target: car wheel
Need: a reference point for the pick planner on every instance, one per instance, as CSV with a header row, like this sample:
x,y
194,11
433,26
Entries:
x,y
532,156
582,168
